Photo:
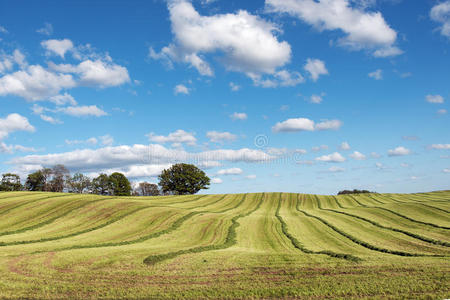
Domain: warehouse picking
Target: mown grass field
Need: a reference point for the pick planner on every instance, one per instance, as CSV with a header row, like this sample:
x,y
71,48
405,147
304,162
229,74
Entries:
x,y
267,245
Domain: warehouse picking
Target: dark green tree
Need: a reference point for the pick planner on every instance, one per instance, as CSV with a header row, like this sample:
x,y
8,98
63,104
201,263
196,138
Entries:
x,y
183,179
10,182
119,184
101,185
59,178
35,181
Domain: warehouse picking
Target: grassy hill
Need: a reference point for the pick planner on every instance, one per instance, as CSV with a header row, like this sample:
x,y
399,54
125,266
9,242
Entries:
x,y
225,246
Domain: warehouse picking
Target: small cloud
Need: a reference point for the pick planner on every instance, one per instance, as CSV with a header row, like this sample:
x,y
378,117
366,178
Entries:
x,y
447,170
440,146
335,169
377,75
220,137
316,99
442,111
231,171
434,99
216,180
46,30
399,151
107,140
319,148
250,177
238,116
284,107
50,119
357,156
181,89
315,68
234,87
410,138
3,30
380,166
334,157
345,146
374,155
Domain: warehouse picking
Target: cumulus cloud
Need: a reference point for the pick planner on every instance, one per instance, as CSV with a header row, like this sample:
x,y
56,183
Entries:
x,y
14,122
440,13
377,75
181,89
315,68
358,156
234,87
180,137
304,124
134,161
50,119
446,170
10,149
316,99
58,47
434,99
231,171
63,99
334,157
362,29
399,151
247,42
220,137
238,116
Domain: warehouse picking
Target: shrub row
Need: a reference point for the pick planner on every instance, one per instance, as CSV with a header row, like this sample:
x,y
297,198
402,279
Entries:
x,y
230,240
296,243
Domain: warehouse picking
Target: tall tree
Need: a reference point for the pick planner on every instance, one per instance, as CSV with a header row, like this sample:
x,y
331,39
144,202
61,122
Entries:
x,y
36,181
120,184
183,179
10,182
59,177
79,183
148,189
101,185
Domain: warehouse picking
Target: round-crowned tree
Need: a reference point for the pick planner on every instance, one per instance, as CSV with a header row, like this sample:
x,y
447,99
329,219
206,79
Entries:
x,y
119,184
183,179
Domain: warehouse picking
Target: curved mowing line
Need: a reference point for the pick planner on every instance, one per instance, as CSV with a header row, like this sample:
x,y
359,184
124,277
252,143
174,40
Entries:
x,y
367,245
337,202
416,236
49,221
2,244
438,208
230,240
298,245
31,201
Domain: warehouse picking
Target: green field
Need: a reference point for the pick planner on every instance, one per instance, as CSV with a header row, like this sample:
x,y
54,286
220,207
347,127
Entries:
x,y
267,245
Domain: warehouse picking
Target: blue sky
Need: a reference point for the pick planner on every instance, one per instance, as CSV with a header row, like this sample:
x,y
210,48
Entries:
x,y
275,95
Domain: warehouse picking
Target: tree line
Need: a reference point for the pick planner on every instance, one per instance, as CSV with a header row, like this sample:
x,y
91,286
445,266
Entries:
x,y
180,179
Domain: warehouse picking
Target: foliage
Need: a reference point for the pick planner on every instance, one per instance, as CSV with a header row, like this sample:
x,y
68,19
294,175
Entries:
x,y
148,189
120,186
10,182
355,191
79,183
101,185
183,179
36,181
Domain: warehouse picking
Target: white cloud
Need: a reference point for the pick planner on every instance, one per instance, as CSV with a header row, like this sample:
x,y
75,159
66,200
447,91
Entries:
x,y
441,13
63,99
231,171
248,43
305,162
180,136
46,30
91,141
375,155
220,137
209,164
318,148
345,146
442,111
363,29
335,169
83,111
9,149
14,122
334,157
399,151
316,99
181,89
133,161
234,87
358,156
282,78
238,116
434,99
58,47
377,75
440,146
107,140
250,177
380,166
35,83
447,170
329,125
96,73
216,180
291,125
315,68
50,119
3,30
